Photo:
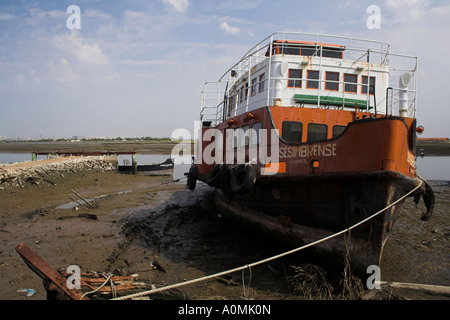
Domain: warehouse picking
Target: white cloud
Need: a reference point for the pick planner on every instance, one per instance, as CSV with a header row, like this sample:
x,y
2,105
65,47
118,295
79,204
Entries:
x,y
239,4
37,16
74,45
178,5
228,29
63,71
7,16
93,13
406,10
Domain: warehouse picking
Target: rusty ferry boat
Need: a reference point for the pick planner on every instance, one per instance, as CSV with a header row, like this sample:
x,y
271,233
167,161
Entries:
x,y
310,134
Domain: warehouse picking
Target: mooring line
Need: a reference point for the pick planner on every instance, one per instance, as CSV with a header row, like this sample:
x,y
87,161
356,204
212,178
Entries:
x,y
216,275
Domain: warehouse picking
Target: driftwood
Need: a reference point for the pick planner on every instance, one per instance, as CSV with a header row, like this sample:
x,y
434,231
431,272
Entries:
x,y
93,285
425,288
90,204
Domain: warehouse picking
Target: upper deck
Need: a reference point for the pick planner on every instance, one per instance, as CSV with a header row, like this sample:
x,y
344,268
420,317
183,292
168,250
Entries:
x,y
314,71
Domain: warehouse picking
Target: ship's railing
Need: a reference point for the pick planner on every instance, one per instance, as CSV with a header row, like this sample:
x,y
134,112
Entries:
x,y
212,103
401,98
218,103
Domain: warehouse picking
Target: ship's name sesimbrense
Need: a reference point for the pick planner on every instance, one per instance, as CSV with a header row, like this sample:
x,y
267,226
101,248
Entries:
x,y
315,150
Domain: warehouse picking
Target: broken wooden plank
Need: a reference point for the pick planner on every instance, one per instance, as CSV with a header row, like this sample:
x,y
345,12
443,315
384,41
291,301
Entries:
x,y
46,271
95,277
425,288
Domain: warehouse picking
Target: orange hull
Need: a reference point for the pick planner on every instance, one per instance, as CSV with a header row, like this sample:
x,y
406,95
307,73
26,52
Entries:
x,y
367,144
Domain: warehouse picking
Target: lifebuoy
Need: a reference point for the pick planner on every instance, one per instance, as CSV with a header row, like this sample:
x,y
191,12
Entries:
x,y
243,178
213,177
192,177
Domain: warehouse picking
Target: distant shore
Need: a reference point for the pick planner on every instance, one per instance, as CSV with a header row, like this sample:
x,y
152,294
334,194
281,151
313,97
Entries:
x,y
433,148
143,147
428,148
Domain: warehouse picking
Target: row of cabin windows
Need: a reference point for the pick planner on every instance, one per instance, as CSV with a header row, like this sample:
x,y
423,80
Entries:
x,y
292,131
331,81
247,135
306,50
257,85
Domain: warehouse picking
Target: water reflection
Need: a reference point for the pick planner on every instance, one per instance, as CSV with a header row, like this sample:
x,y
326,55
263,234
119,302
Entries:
x,y
433,168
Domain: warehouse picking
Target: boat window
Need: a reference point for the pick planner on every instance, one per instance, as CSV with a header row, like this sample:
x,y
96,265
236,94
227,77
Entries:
x,y
262,82
317,132
295,76
337,130
230,105
332,81
291,131
365,85
235,140
350,81
331,53
253,86
290,49
242,94
245,136
286,49
312,82
255,133
309,51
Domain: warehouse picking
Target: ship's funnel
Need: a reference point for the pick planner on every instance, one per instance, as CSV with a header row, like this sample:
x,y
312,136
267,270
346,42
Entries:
x,y
403,93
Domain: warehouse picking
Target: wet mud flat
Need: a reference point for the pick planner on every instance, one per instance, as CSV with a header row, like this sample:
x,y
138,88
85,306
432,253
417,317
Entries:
x,y
167,234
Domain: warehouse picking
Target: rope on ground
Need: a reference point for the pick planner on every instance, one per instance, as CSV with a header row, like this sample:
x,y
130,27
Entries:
x,y
108,278
248,266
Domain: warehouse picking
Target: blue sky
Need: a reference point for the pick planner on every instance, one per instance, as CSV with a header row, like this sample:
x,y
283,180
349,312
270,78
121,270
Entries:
x,y
136,68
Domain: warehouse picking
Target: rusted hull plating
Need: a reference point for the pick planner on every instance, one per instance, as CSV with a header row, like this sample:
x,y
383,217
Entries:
x,y
311,207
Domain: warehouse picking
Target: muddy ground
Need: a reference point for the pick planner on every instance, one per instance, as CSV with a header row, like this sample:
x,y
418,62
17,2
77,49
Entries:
x,y
167,234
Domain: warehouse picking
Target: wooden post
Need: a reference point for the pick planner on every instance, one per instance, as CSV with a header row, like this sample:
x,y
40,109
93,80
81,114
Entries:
x,y
134,163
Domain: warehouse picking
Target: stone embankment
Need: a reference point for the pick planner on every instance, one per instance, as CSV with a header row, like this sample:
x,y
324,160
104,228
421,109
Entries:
x,y
34,172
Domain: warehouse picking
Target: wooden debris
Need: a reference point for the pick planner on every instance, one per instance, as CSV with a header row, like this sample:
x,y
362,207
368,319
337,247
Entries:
x,y
46,272
425,288
90,204
93,285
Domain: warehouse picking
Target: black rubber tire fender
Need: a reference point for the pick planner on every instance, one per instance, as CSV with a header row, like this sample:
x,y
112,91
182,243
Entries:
x,y
225,181
192,178
243,178
213,177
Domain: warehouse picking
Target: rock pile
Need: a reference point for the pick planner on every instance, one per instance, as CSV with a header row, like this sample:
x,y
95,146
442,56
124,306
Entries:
x,y
20,174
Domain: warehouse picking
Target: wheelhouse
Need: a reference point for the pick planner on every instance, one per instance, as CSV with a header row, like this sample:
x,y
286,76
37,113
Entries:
x,y
313,89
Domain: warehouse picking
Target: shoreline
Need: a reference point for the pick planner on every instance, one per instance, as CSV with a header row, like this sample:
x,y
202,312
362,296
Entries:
x,y
75,147
429,148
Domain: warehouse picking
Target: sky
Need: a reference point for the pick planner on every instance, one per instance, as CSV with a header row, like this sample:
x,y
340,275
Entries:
x,y
137,68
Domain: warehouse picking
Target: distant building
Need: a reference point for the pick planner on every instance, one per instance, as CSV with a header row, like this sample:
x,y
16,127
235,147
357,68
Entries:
x,y
433,139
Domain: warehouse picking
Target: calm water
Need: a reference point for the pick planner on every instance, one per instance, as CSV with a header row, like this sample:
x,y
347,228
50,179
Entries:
x,y
430,168
434,168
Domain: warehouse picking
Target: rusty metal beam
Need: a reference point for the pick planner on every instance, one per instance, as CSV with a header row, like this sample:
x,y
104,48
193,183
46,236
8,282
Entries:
x,y
46,271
